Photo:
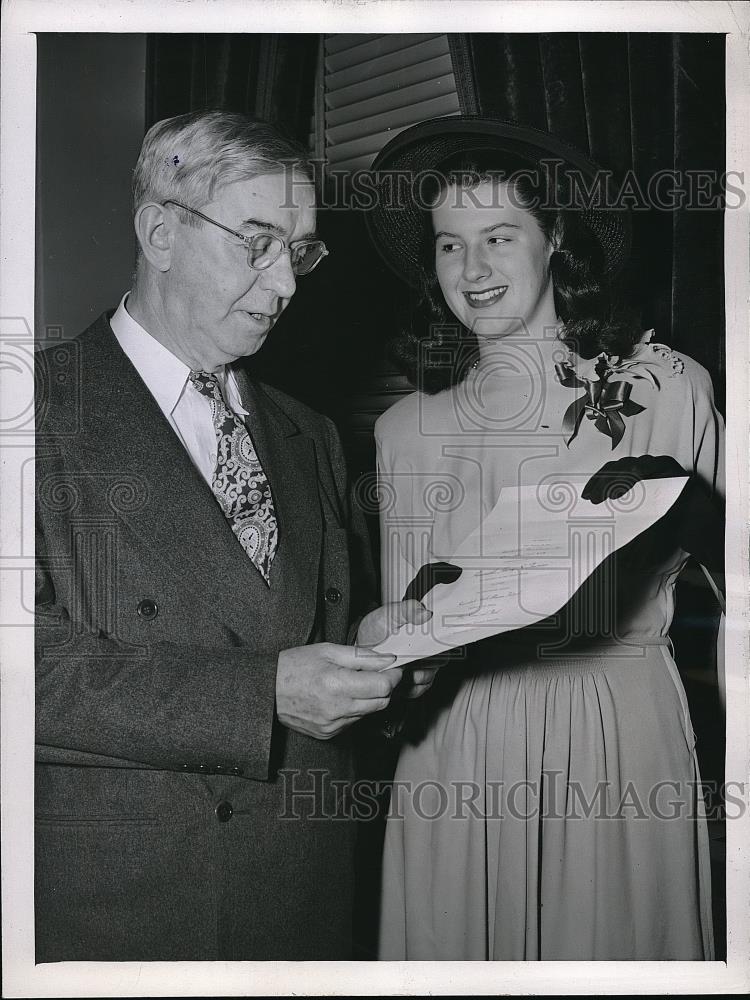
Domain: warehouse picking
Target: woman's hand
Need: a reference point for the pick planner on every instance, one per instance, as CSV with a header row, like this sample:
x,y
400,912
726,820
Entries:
x,y
419,677
614,479
694,523
384,621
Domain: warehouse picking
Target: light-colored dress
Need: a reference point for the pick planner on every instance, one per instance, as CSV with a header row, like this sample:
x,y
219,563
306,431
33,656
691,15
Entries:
x,y
544,801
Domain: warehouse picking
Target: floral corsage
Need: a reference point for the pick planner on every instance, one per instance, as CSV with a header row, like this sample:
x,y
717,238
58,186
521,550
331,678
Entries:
x,y
608,381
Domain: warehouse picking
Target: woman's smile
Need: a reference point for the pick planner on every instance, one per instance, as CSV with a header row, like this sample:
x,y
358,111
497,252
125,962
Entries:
x,y
487,297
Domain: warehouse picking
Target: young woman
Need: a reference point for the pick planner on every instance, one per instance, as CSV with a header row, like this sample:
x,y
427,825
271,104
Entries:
x,y
544,802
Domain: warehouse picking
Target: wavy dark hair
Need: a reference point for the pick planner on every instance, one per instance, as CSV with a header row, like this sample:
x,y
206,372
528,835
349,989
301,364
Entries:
x,y
436,351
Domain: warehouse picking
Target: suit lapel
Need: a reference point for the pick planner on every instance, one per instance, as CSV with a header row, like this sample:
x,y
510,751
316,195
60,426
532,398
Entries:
x,y
180,518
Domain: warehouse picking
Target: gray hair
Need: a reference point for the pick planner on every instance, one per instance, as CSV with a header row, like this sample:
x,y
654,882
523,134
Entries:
x,y
190,157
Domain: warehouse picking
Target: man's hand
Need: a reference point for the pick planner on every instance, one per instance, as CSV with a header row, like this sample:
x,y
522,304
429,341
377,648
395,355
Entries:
x,y
324,688
384,621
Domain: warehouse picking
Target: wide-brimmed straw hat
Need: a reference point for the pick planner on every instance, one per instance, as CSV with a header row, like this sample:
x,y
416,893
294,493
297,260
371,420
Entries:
x,y
396,224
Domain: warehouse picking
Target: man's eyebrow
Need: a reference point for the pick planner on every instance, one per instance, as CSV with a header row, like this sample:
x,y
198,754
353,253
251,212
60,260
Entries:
x,y
260,224
276,230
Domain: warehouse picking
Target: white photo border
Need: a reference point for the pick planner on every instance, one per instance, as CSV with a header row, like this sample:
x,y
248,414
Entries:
x,y
21,978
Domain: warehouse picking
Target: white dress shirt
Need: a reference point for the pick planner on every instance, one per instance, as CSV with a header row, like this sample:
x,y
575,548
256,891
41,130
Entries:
x,y
166,378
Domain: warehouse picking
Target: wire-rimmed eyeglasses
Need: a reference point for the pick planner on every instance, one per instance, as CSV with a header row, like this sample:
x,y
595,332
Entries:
x,y
264,249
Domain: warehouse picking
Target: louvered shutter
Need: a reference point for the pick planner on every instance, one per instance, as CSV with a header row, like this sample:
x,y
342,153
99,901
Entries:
x,y
377,85
371,87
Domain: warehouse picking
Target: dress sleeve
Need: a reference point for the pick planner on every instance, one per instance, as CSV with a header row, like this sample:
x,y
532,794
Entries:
x,y
707,449
708,435
680,417
689,427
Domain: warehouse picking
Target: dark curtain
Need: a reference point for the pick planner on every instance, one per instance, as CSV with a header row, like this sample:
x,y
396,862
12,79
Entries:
x,y
267,76
644,103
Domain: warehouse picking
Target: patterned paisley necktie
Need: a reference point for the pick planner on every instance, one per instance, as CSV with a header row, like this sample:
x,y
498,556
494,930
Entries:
x,y
239,482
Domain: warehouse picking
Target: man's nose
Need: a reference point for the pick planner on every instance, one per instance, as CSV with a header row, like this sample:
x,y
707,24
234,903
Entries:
x,y
279,277
476,264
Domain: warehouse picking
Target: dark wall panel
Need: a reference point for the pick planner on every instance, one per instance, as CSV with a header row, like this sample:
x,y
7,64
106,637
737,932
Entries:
x,y
90,124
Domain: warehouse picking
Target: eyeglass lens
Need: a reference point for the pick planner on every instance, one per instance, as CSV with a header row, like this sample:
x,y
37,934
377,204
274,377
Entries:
x,y
264,249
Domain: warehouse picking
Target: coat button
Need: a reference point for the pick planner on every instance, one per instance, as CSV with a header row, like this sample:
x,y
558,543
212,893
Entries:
x,y
333,595
236,771
224,811
148,609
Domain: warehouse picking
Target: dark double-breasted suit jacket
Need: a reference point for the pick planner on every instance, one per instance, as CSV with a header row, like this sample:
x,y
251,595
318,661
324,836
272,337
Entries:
x,y
175,817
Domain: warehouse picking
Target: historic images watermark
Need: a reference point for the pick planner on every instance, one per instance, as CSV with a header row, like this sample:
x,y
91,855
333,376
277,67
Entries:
x,y
564,187
314,794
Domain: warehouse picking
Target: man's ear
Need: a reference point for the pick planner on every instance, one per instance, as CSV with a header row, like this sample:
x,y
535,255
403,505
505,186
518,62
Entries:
x,y
153,228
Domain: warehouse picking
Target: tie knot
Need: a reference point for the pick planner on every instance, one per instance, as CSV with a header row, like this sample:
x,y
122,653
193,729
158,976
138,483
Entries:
x,y
207,384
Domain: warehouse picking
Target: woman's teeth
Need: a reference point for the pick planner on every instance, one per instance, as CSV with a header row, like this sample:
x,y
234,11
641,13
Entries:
x,y
487,296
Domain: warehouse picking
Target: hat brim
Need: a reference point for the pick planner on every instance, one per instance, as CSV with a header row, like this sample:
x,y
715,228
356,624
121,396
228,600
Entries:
x,y
395,223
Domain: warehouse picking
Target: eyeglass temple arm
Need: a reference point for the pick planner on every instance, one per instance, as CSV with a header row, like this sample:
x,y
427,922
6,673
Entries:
x,y
233,232
194,211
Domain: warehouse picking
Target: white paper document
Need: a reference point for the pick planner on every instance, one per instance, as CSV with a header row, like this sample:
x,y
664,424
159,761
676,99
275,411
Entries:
x,y
527,559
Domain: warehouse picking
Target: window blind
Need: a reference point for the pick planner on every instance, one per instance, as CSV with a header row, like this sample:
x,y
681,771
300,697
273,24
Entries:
x,y
377,85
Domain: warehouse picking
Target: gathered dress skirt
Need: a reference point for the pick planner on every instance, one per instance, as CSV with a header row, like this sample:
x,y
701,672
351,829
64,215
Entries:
x,y
549,809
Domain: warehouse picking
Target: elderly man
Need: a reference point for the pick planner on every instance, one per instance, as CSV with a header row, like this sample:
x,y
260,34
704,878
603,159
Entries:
x,y
200,566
